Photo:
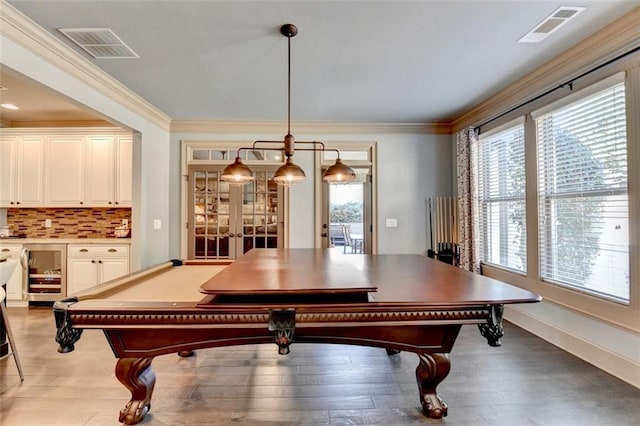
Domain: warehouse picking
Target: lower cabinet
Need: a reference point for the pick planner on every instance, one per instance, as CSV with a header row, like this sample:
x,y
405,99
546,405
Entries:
x,y
14,285
89,265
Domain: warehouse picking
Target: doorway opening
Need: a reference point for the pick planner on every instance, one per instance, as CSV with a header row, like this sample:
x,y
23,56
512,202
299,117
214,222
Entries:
x,y
347,216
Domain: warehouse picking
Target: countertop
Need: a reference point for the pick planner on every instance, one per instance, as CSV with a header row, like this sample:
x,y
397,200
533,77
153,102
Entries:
x,y
65,241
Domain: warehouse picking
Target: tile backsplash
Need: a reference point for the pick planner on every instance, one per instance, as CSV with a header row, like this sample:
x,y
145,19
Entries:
x,y
66,223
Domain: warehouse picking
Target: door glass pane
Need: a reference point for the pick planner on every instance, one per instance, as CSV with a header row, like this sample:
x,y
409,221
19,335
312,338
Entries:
x,y
260,213
200,154
219,155
347,155
211,215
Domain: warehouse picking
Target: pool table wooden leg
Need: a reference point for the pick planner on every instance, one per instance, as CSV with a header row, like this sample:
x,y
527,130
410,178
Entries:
x,y
432,370
137,376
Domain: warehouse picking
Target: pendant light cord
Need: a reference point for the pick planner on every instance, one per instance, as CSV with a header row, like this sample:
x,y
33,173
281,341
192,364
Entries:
x,y
289,86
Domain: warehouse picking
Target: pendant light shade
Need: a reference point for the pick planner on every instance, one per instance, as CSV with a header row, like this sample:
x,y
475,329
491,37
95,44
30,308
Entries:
x,y
289,174
237,173
339,173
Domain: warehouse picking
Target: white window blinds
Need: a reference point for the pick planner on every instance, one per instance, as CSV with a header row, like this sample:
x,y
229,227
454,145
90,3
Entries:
x,y
501,198
582,193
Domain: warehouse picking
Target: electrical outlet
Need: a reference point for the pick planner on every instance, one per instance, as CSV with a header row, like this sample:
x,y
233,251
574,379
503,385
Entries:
x,y
47,223
125,222
157,224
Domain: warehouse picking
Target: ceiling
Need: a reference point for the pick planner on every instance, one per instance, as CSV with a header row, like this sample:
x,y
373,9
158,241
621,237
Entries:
x,y
352,61
37,103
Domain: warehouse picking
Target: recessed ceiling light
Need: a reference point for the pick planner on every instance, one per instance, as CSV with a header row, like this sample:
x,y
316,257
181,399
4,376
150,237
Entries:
x,y
9,106
551,23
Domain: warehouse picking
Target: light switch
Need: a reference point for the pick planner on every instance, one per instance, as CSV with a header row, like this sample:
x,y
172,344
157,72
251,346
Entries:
x,y
157,224
392,223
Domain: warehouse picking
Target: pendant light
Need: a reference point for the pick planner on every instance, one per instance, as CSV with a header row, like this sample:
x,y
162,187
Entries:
x,y
289,174
339,173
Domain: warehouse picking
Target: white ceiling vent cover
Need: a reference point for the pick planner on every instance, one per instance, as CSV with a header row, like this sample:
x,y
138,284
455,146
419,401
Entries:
x,y
561,16
101,43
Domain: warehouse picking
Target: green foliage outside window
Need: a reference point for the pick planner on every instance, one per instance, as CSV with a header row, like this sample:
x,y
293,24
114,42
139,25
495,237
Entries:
x,y
350,212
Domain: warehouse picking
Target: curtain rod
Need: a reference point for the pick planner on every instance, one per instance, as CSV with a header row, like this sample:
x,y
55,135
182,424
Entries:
x,y
567,83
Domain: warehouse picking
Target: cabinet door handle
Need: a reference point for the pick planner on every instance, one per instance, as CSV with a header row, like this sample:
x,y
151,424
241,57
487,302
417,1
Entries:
x,y
24,259
112,250
99,261
83,250
93,261
5,249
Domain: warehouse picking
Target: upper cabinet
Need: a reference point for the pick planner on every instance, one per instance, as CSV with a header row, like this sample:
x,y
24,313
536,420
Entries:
x,y
22,171
99,179
65,168
124,170
109,165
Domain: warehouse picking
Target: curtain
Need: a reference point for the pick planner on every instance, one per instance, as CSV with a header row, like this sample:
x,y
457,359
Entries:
x,y
467,147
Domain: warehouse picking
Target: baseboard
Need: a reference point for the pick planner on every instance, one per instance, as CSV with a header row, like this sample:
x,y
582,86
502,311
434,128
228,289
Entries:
x,y
613,363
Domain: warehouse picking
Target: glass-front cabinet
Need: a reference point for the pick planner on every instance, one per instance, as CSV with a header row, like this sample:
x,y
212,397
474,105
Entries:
x,y
226,221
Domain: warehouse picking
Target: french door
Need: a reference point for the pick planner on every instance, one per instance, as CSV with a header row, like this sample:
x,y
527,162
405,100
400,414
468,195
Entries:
x,y
226,221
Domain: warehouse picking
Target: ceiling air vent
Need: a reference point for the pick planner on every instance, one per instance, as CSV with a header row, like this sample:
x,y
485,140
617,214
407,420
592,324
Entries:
x,y
101,43
561,16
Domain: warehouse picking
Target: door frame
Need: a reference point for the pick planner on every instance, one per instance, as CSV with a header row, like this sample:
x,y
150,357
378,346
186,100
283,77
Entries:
x,y
319,190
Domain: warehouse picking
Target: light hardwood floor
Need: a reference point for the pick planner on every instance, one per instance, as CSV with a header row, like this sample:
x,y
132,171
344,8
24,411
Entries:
x,y
525,382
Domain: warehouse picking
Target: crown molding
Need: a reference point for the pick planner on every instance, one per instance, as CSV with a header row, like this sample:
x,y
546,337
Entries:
x,y
262,127
67,123
611,41
101,129
25,32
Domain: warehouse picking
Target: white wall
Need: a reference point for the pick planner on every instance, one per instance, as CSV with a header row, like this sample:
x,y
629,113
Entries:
x,y
150,157
411,168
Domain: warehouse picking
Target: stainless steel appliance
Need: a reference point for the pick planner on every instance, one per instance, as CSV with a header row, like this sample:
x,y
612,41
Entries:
x,y
45,271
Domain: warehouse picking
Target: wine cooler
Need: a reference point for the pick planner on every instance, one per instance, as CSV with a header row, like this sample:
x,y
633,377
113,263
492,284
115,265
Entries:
x,y
45,271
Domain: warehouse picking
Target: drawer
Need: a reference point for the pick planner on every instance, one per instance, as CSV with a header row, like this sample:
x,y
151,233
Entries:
x,y
13,250
119,250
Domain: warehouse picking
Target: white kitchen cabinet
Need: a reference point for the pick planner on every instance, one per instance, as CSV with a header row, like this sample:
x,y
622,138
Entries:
x,y
65,168
14,284
109,165
92,264
124,169
8,166
100,174
65,171
21,171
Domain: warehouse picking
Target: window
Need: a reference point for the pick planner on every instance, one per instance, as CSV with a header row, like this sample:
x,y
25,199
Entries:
x,y
582,192
501,193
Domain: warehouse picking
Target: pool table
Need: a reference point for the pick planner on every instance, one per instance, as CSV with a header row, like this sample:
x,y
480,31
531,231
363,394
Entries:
x,y
397,302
